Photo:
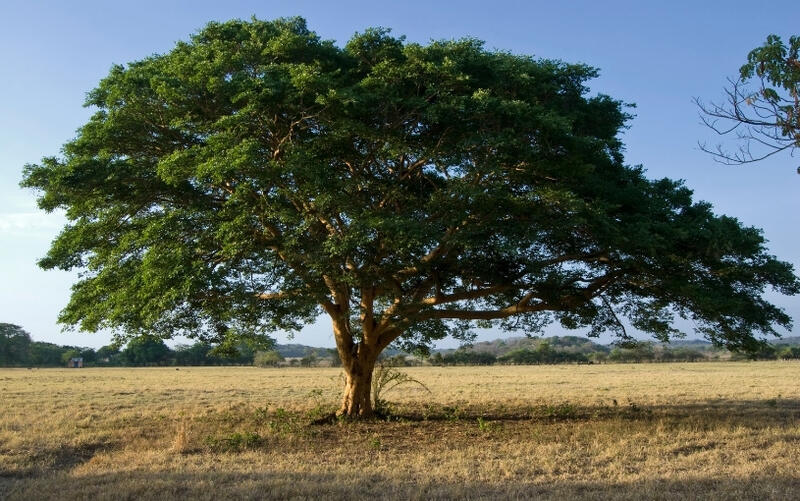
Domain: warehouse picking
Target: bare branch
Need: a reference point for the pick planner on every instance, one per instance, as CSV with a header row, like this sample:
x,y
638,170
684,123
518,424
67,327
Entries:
x,y
756,117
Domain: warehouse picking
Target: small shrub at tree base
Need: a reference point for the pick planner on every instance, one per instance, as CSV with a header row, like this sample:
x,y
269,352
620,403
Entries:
x,y
385,379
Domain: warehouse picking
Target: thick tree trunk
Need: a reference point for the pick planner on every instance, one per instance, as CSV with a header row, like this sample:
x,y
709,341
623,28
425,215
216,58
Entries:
x,y
357,397
358,356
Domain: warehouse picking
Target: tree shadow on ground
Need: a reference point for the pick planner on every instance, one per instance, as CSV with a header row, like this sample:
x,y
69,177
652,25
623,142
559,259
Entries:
x,y
52,471
354,485
745,413
61,457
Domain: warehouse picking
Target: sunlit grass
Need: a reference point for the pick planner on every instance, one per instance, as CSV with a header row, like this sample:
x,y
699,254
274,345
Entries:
x,y
697,431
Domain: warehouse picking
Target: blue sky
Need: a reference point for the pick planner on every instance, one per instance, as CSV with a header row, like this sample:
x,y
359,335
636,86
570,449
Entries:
x,y
658,55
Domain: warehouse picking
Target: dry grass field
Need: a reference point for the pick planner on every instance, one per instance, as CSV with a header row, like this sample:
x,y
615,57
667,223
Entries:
x,y
655,431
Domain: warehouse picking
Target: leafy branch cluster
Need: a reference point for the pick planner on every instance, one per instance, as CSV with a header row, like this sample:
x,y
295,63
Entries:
x,y
765,118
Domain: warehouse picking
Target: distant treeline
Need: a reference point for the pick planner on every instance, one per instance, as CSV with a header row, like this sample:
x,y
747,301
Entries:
x,y
574,349
18,350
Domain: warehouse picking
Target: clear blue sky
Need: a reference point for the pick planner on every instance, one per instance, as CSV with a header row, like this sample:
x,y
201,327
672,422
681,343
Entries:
x,y
658,55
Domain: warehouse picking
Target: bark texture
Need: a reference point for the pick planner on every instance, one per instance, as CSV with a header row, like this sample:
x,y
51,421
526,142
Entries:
x,y
357,398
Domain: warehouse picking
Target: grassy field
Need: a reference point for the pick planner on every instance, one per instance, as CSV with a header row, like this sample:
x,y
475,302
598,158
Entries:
x,y
658,431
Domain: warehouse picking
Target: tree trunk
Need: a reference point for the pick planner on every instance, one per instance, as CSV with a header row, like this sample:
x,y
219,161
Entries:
x,y
357,398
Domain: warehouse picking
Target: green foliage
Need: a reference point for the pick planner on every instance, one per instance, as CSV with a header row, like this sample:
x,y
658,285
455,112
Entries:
x,y
88,355
766,352
633,352
573,349
680,354
194,354
778,65
69,355
235,442
789,353
108,355
146,351
486,426
544,354
267,359
17,349
256,175
15,344
45,354
468,357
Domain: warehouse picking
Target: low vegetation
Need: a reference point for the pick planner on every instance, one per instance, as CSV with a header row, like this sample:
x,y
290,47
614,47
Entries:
x,y
611,431
17,349
574,349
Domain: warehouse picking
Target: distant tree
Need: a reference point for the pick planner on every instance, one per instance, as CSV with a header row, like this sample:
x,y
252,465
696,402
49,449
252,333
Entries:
x,y
789,353
245,352
46,354
146,351
764,118
767,352
193,354
598,357
544,353
69,354
267,358
333,355
633,352
309,360
89,355
15,345
399,360
522,356
108,355
468,357
685,354
294,350
256,176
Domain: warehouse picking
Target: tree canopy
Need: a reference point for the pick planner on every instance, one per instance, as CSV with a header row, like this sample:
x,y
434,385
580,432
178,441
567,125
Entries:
x,y
765,119
256,176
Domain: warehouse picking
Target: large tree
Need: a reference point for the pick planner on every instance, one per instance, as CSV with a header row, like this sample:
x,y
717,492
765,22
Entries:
x,y
762,106
146,350
256,176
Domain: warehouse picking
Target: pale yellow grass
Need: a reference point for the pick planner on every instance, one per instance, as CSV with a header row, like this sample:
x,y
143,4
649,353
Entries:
x,y
658,431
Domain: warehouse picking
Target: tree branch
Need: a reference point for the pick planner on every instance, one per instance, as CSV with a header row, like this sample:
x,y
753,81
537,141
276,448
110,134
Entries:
x,y
482,314
465,295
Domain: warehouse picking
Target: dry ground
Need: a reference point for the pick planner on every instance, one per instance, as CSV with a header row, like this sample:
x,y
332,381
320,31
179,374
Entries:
x,y
656,431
